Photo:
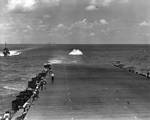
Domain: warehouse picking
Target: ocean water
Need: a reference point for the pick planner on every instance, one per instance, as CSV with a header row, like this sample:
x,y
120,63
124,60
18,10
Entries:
x,y
27,60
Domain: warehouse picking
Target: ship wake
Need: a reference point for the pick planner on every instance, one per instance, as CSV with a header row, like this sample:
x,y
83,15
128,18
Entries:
x,y
12,53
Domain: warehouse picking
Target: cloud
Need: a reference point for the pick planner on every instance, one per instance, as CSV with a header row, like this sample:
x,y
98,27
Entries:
x,y
5,26
83,23
50,2
29,27
103,21
21,4
81,28
91,7
144,23
106,3
92,34
28,5
46,16
60,28
124,1
60,25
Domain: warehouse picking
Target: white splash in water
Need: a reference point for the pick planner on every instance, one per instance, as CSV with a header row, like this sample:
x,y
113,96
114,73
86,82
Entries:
x,y
62,60
15,87
12,53
76,52
55,61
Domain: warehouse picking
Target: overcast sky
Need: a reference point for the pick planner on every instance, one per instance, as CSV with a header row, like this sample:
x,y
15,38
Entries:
x,y
75,21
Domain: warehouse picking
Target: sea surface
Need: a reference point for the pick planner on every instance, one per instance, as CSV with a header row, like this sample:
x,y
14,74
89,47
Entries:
x,y
27,60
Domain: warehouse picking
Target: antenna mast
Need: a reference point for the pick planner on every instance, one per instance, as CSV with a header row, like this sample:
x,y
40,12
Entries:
x,y
5,43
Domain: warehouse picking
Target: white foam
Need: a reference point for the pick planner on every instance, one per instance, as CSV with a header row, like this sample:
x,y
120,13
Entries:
x,y
55,61
12,53
14,87
62,60
76,52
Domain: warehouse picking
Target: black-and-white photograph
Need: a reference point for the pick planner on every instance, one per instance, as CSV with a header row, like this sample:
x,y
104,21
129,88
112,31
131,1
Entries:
x,y
74,59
